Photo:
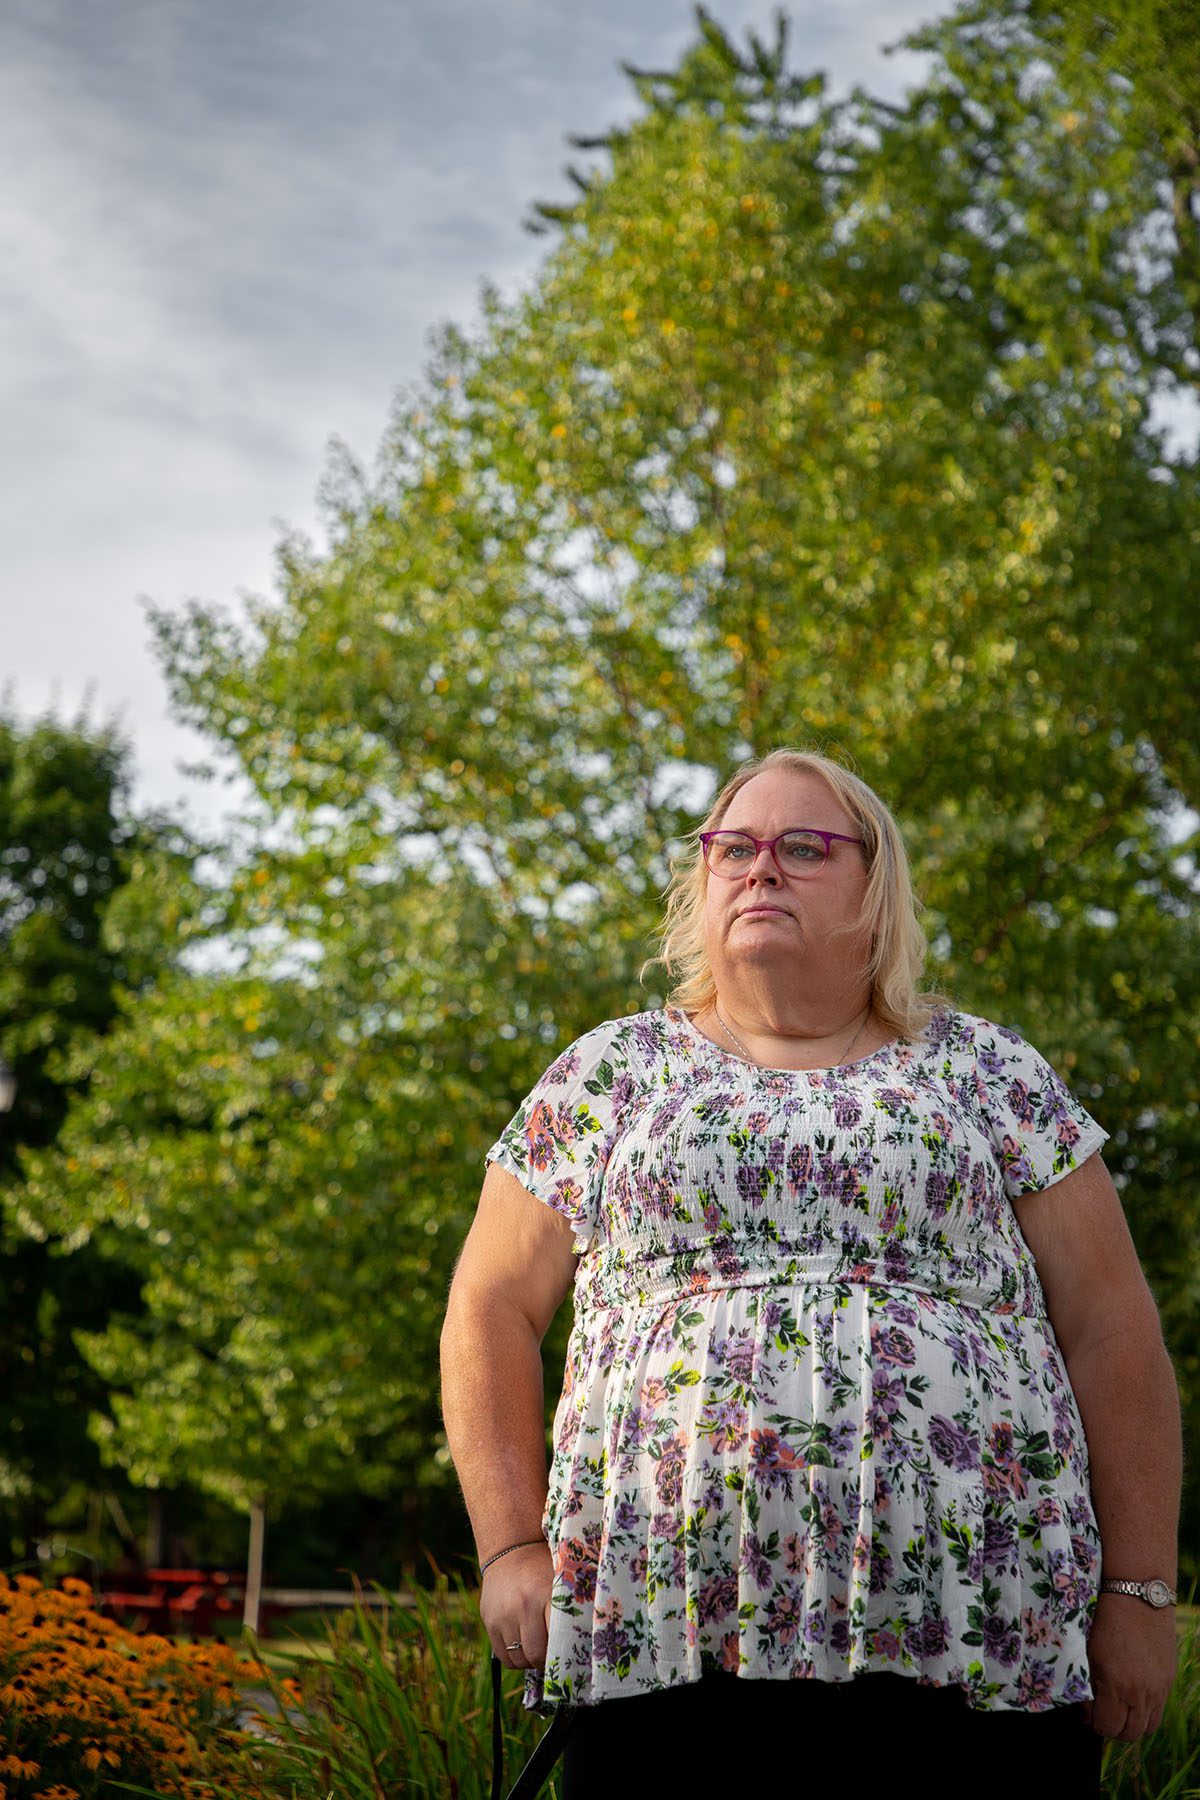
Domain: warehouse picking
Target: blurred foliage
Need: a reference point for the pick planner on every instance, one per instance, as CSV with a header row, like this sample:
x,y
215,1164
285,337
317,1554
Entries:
x,y
70,855
821,423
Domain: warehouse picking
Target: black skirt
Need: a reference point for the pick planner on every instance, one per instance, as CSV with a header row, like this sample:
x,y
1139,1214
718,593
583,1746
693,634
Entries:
x,y
879,1734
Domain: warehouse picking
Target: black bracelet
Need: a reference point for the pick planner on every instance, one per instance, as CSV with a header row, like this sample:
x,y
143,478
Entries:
x,y
526,1544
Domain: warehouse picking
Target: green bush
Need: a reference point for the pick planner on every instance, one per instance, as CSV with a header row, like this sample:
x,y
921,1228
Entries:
x,y
397,1700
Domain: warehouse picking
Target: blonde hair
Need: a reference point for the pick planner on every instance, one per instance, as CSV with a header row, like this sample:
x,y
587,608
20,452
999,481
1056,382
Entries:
x,y
890,907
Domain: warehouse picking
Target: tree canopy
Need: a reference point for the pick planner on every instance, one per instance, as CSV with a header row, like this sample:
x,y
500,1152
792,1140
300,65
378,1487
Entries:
x,y
821,423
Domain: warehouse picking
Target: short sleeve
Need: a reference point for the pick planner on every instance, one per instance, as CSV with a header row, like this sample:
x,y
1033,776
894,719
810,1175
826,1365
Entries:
x,y
559,1140
1041,1132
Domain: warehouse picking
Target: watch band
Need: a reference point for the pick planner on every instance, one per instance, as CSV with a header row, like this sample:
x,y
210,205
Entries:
x,y
1155,1592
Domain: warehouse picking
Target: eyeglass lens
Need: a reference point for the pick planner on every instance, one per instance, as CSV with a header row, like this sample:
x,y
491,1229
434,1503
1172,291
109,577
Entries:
x,y
730,853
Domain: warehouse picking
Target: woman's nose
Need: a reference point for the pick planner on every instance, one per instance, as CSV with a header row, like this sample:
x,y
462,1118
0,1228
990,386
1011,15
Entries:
x,y
763,868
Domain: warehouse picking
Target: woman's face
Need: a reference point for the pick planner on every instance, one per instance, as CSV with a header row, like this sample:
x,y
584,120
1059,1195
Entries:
x,y
761,918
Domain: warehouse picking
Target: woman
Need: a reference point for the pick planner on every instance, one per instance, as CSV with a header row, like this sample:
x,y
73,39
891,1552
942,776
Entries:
x,y
851,1280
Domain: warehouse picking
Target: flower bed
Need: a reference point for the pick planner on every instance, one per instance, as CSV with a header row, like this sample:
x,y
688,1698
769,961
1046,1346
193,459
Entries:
x,y
86,1706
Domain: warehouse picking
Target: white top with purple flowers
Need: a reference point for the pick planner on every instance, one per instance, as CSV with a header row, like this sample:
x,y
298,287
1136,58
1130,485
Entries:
x,y
814,1419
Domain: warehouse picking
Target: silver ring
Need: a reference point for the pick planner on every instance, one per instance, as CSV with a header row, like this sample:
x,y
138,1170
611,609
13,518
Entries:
x,y
515,1646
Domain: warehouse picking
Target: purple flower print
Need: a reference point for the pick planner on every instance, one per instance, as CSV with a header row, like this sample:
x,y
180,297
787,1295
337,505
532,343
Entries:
x,y
736,1353
927,1637
668,1470
951,1444
610,1639
1067,1133
639,1422
881,1566
999,1541
846,1110
899,1311
728,1263
755,1562
1018,1103
772,1461
562,1070
753,1183
842,1439
664,1118
836,1182
758,1121
937,1193
892,1347
795,1553
625,1517
839,1637
1002,1471
815,1628
895,1260
624,1089
1015,1161
575,1568
886,1395
1001,1640
727,1425
717,1599
1082,1551
800,1165
1035,1686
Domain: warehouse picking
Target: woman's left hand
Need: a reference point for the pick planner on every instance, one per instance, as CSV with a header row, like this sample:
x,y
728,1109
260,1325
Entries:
x,y
1132,1653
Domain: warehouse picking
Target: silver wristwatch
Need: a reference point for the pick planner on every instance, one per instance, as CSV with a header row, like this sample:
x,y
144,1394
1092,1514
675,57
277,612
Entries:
x,y
1156,1592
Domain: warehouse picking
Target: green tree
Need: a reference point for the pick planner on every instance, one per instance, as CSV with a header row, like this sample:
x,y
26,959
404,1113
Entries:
x,y
70,851
820,422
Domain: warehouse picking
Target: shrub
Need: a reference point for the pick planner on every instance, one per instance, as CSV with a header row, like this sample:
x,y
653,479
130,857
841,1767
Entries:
x,y
400,1703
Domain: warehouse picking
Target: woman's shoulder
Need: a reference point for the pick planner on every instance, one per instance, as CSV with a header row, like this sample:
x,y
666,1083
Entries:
x,y
994,1047
626,1043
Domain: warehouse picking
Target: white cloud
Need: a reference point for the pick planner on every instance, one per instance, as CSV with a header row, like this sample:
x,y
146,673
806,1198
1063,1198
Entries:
x,y
225,232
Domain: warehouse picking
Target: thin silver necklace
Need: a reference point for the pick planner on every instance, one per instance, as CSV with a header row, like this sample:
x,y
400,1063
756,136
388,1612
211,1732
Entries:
x,y
750,1059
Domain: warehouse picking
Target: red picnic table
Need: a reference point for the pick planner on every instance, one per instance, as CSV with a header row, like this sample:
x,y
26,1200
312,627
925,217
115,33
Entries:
x,y
167,1600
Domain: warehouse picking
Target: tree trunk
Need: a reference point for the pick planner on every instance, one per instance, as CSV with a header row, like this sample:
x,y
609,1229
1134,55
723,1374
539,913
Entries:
x,y
254,1563
155,1522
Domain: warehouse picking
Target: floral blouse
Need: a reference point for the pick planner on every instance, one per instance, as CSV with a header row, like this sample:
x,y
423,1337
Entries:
x,y
814,1418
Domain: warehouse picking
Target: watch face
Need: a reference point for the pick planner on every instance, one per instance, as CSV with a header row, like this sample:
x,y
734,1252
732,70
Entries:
x,y
1158,1593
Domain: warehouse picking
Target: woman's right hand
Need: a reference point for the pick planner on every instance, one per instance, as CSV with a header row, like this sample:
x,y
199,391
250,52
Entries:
x,y
514,1604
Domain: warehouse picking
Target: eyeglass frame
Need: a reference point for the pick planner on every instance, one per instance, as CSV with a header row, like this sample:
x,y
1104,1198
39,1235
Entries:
x,y
828,837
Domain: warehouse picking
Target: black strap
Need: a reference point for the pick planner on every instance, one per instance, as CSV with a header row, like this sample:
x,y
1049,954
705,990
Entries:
x,y
546,1751
497,1735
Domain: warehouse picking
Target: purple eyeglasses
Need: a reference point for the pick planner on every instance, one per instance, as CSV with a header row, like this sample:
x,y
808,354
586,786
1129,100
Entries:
x,y
803,851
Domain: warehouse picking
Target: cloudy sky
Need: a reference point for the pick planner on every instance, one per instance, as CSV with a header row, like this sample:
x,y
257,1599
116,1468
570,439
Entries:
x,y
226,229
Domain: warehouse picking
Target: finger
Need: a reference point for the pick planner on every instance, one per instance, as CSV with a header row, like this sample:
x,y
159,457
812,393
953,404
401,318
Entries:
x,y
501,1638
1109,1716
534,1634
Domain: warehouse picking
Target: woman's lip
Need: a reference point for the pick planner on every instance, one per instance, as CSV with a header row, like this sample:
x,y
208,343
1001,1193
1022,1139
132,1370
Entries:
x,y
747,910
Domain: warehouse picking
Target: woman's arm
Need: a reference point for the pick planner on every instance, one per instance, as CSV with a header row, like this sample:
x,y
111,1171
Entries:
x,y
516,1267
1107,1327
